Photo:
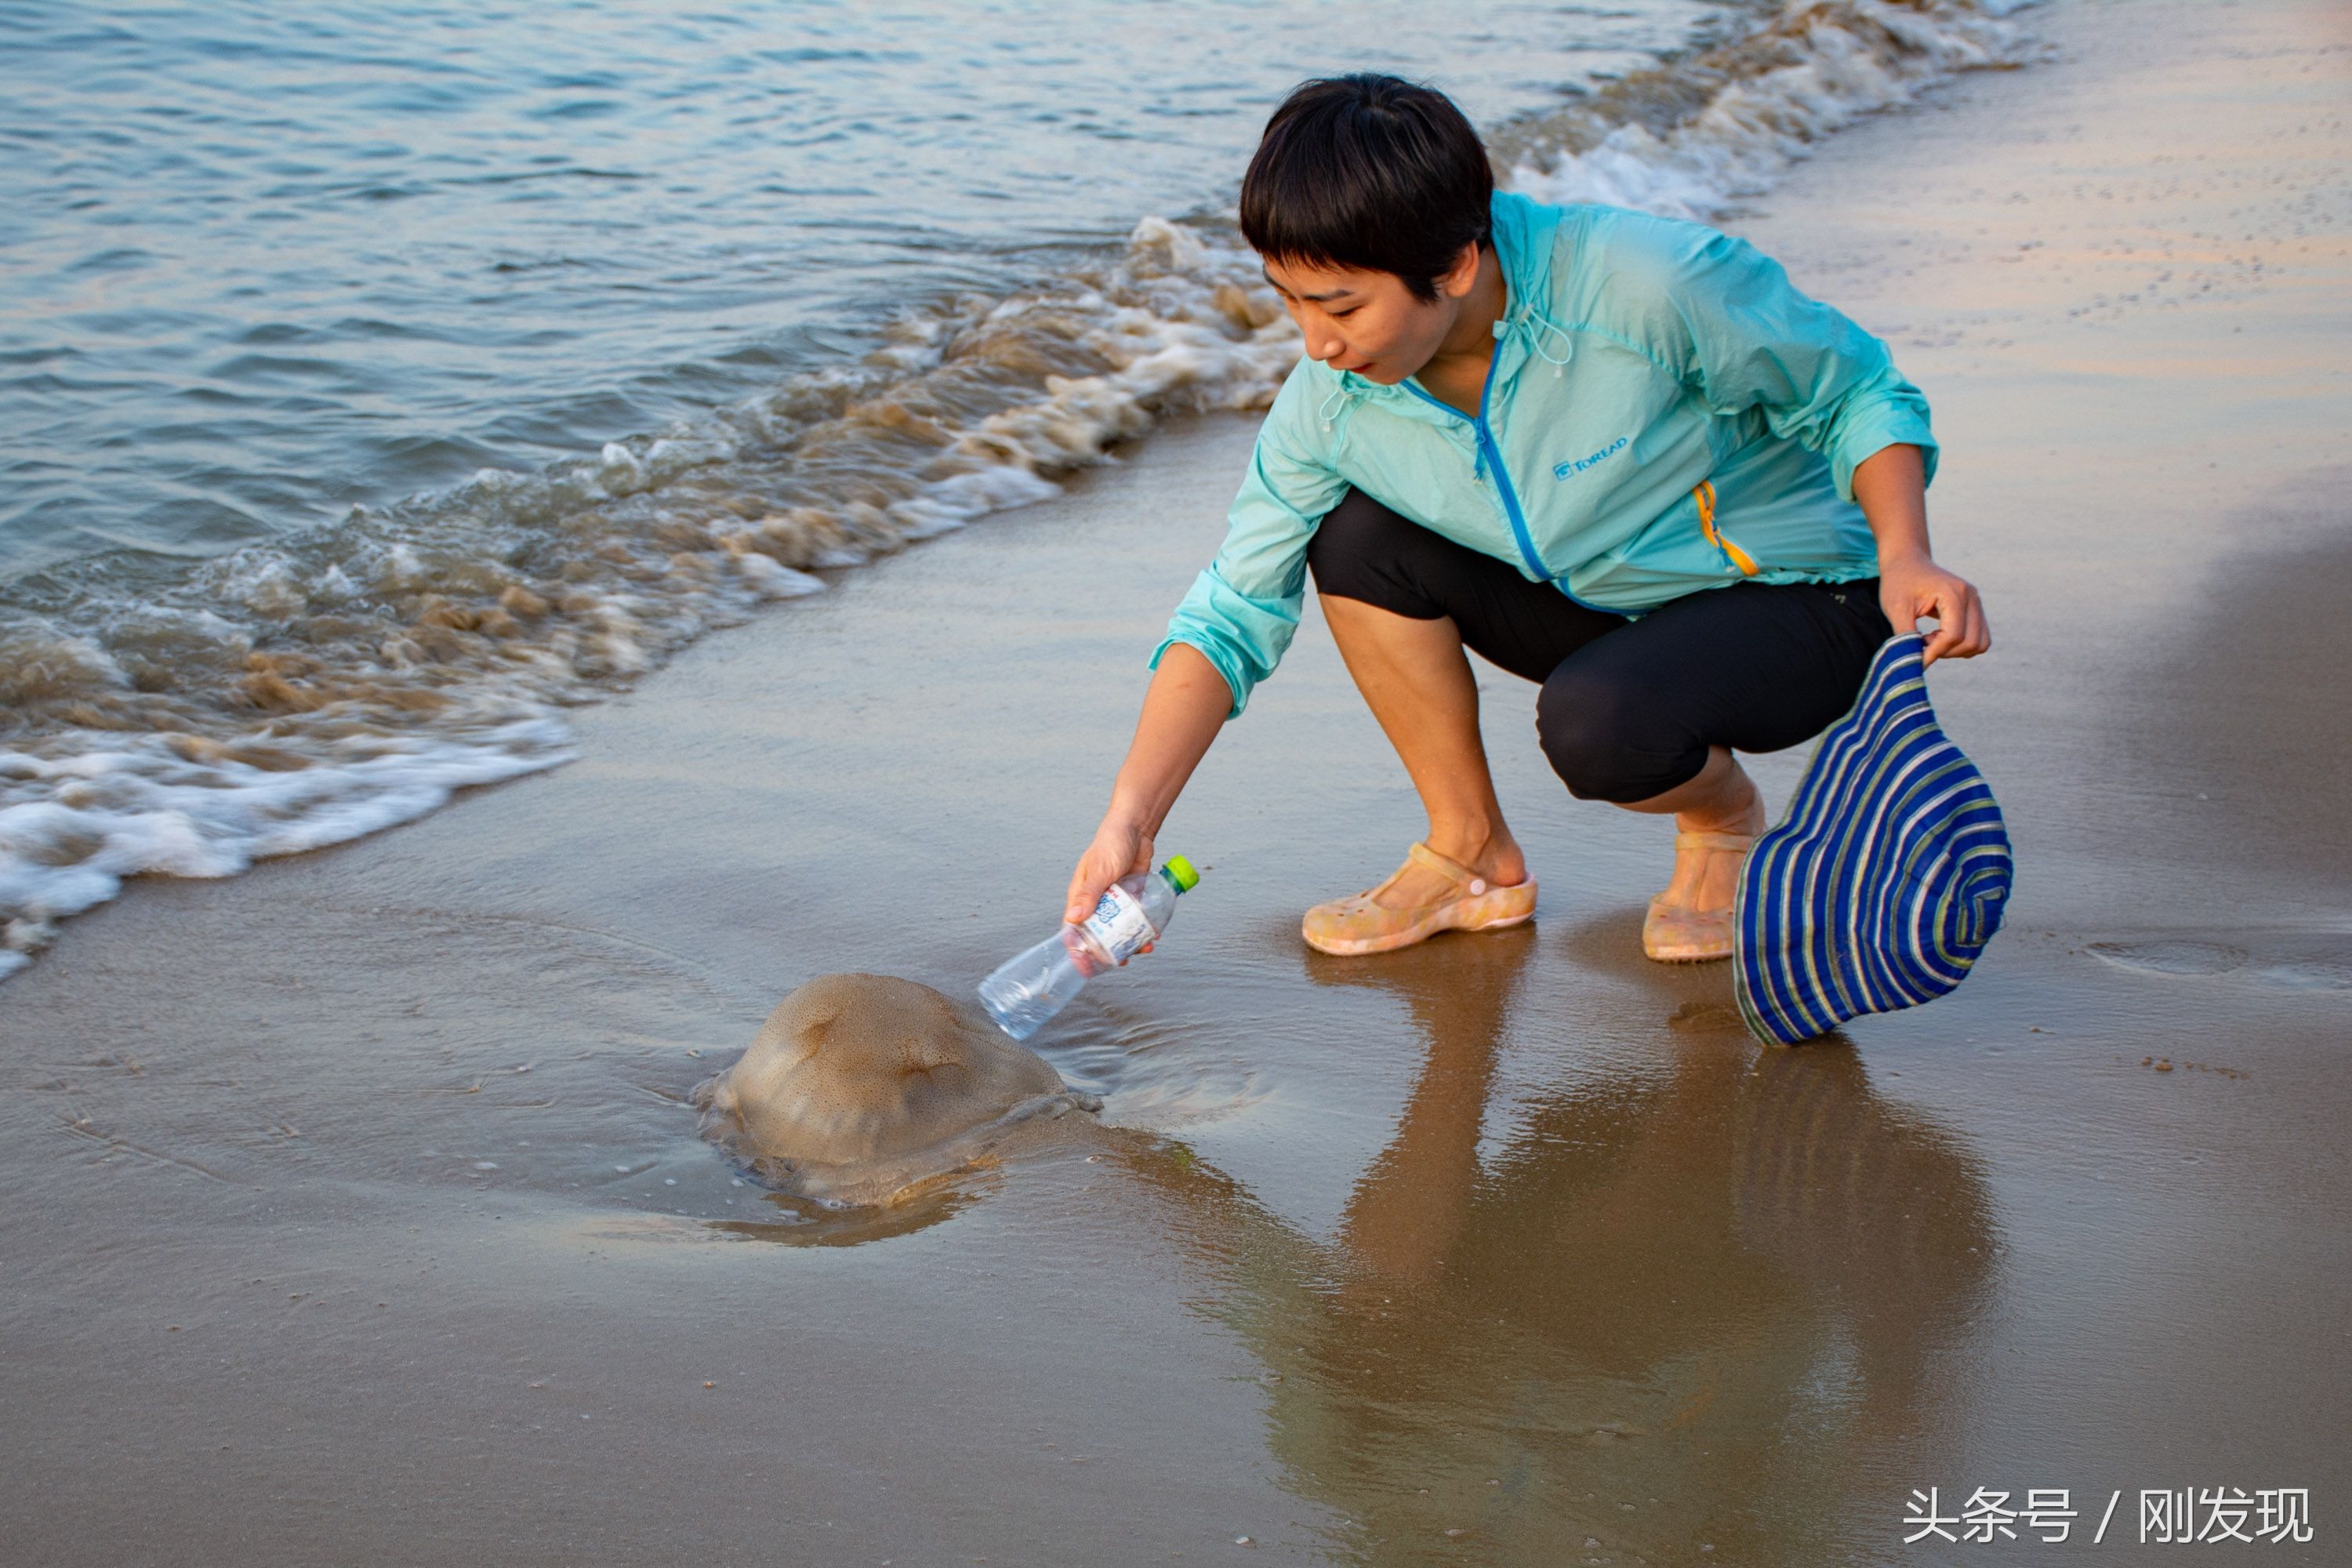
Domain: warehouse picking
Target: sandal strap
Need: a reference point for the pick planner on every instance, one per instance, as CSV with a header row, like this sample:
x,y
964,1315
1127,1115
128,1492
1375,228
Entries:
x,y
1465,878
1740,842
1454,870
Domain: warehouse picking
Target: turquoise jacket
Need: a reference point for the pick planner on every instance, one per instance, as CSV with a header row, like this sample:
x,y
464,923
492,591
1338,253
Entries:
x,y
1665,414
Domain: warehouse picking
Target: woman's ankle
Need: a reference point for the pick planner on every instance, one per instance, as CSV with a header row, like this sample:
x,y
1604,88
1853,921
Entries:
x,y
1739,809
1490,851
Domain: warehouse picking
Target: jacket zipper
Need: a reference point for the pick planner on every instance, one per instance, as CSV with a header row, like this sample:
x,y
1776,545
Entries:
x,y
1702,493
1493,458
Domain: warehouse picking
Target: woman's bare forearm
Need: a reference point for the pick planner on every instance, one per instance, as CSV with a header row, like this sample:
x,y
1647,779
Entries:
x,y
1184,709
1891,487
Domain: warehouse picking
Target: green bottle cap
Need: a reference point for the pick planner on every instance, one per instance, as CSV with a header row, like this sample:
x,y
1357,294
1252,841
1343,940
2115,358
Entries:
x,y
1179,871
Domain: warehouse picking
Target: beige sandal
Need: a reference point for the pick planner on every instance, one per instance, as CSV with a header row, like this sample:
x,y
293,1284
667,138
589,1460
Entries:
x,y
1693,936
1354,926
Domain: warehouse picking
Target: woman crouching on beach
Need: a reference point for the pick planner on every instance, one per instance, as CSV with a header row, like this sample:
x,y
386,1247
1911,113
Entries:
x,y
1617,455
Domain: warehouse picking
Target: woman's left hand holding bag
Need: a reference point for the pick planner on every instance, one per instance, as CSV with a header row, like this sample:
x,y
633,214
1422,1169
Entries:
x,y
1914,588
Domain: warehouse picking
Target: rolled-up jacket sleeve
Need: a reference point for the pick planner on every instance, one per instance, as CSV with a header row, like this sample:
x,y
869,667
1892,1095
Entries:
x,y
1243,610
1752,340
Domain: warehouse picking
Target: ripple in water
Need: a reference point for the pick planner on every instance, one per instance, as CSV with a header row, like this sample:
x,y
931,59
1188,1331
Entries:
x,y
1151,1074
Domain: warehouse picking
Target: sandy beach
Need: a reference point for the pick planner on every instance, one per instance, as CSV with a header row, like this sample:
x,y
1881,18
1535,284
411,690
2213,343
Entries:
x,y
358,1214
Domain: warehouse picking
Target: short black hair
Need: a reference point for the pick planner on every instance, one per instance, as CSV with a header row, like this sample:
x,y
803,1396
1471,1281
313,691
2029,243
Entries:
x,y
1369,171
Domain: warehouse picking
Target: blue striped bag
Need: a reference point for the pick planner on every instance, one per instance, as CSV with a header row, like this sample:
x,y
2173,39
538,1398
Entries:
x,y
1886,878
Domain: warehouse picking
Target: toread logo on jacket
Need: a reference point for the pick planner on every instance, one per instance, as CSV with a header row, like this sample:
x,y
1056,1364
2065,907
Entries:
x,y
1576,466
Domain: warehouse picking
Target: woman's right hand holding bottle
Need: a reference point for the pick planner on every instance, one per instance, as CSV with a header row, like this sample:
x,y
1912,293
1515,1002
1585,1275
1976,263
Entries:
x,y
1121,848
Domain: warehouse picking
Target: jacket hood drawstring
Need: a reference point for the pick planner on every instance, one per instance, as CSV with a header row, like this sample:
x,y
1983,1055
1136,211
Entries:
x,y
1527,318
1341,396
1551,330
1540,329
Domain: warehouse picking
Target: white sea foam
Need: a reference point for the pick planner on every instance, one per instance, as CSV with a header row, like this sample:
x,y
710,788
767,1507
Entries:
x,y
82,823
1814,69
313,690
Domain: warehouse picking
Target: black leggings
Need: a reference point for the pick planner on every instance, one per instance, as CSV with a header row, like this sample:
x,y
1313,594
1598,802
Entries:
x,y
1628,708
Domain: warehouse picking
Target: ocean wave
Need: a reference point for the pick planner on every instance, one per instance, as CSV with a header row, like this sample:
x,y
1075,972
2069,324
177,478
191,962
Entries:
x,y
1691,138
303,692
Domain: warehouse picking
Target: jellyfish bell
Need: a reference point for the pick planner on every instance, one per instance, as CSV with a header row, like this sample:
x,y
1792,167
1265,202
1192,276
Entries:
x,y
866,1088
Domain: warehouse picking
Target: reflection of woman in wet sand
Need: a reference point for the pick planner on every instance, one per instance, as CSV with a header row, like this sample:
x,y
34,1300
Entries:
x,y
1710,1298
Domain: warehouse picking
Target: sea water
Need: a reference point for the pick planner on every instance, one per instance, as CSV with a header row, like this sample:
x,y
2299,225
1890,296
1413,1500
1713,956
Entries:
x,y
381,379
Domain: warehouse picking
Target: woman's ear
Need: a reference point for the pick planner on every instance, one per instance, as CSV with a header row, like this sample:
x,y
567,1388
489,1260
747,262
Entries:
x,y
1456,282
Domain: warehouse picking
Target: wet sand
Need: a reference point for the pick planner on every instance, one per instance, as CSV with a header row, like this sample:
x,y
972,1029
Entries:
x,y
356,1213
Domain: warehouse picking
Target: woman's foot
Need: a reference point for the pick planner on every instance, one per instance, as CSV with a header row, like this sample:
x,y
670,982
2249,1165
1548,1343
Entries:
x,y
1691,922
1496,861
1445,895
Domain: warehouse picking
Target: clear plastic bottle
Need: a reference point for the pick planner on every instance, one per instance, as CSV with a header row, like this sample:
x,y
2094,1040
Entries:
x,y
1031,987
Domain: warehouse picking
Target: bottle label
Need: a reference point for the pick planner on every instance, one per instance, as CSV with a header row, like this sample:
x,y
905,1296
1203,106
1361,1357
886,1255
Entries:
x,y
1119,924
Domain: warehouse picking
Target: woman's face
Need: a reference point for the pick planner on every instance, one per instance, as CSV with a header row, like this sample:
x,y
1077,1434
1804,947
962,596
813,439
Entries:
x,y
1368,322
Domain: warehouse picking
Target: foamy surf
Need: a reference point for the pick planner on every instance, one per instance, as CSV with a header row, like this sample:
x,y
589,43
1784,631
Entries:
x,y
1690,139
304,693
180,806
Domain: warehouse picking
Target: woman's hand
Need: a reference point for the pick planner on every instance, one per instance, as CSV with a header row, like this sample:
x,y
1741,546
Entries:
x,y
1121,848
1913,587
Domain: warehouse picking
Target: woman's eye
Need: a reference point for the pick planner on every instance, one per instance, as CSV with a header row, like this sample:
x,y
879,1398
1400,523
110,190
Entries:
x,y
1343,315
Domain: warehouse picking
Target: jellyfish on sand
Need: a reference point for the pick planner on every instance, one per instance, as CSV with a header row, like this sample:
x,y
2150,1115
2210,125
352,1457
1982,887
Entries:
x,y
863,1089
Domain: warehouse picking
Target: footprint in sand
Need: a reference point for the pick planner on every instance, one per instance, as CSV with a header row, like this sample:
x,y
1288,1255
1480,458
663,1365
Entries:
x,y
2292,961
2172,956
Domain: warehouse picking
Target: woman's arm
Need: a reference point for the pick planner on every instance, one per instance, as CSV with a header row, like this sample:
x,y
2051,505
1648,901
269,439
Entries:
x,y
1891,487
1227,635
1748,338
1183,711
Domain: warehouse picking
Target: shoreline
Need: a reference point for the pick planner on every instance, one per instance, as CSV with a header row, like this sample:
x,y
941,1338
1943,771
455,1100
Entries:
x,y
346,1224
355,673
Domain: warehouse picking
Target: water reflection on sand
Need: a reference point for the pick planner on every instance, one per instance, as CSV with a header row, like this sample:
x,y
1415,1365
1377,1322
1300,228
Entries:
x,y
1665,1313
